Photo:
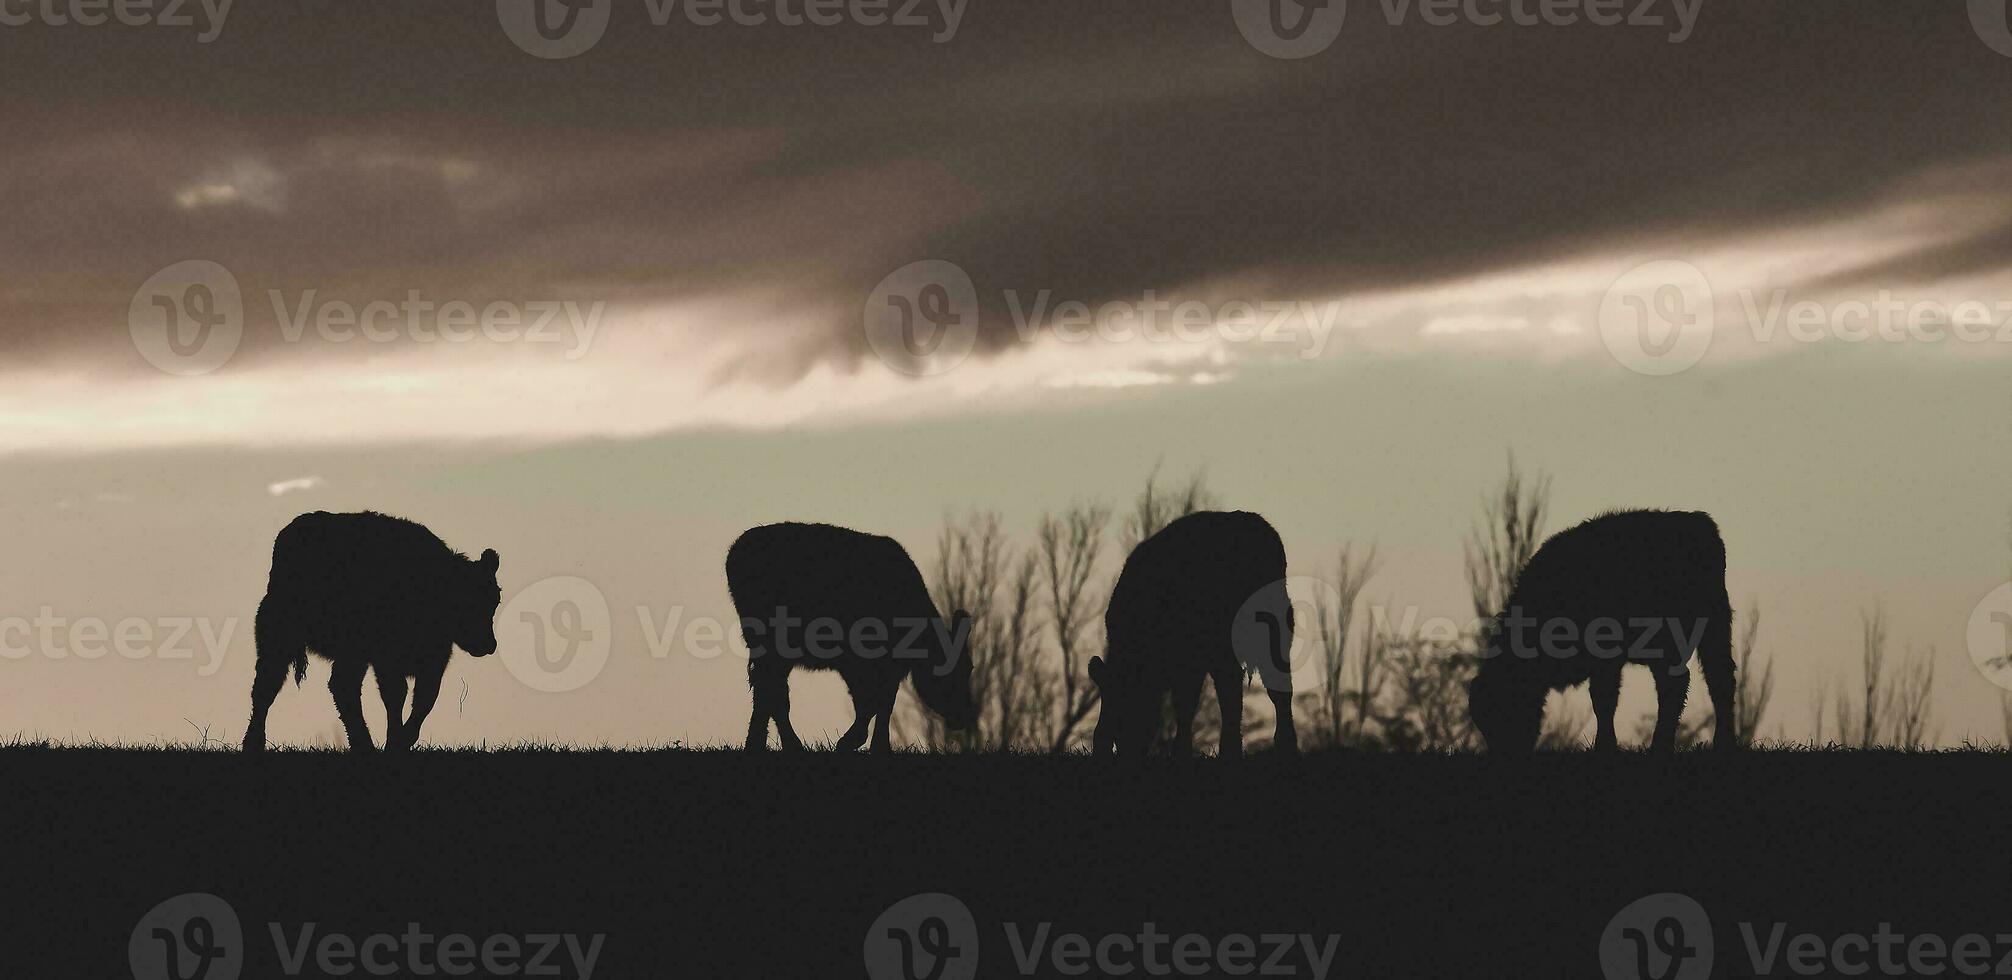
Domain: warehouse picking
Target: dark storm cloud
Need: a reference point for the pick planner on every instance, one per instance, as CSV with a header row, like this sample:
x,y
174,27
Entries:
x,y
1093,149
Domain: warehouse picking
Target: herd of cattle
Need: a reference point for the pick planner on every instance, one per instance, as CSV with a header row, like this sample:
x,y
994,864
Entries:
x,y
1204,599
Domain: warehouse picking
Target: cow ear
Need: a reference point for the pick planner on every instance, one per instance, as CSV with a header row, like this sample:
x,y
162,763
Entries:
x,y
1097,671
489,560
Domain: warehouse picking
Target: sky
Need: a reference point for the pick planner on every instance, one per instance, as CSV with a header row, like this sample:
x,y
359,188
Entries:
x,y
604,312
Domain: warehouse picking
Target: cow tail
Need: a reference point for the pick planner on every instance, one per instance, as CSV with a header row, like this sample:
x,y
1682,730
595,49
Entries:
x,y
276,641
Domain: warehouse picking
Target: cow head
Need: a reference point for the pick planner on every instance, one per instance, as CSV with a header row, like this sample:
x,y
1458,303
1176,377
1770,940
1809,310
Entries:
x,y
1130,712
1507,710
475,600
943,681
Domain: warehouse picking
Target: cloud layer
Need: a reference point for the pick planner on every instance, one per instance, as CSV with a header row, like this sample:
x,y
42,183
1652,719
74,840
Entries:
x,y
728,197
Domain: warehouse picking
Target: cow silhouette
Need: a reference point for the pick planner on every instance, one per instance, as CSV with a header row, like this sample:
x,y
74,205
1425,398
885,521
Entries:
x,y
369,591
1203,598
829,598
1642,586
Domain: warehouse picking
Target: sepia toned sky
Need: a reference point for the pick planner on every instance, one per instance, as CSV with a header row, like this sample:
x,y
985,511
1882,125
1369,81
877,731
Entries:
x,y
1345,286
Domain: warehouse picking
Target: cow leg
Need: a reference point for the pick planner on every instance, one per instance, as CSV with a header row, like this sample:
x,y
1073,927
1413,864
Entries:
x,y
883,720
1605,685
266,683
1275,673
1284,738
275,652
1230,703
865,704
425,689
345,682
391,687
1187,695
758,718
1715,655
771,696
784,731
1673,683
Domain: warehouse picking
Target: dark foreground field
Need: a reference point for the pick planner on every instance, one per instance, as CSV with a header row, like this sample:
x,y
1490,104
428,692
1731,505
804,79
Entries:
x,y
711,864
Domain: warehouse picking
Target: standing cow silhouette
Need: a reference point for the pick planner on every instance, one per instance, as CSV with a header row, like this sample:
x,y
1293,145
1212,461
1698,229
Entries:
x,y
829,598
1643,586
367,591
1203,598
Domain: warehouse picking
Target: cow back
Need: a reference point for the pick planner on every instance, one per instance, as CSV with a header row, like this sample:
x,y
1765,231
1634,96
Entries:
x,y
1177,599
363,573
1620,563
818,571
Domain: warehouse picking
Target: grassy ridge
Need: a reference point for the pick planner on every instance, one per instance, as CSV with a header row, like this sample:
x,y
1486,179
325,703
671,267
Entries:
x,y
711,863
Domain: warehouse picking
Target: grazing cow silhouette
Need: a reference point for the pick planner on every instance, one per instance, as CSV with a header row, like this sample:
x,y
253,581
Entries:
x,y
1202,598
1642,586
829,598
369,591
